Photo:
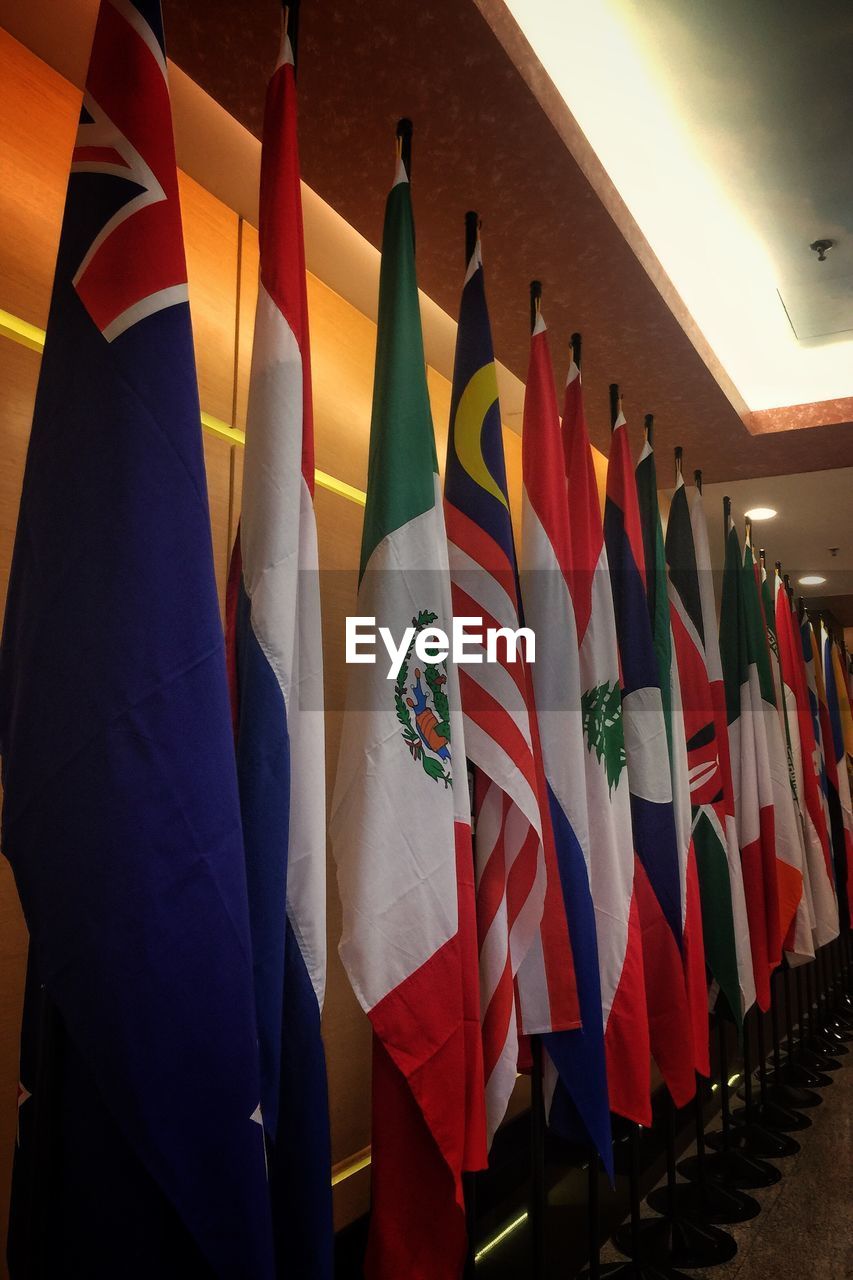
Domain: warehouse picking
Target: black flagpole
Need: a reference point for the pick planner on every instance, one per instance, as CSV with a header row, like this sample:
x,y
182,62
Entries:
x,y
734,1168
768,1113
706,1200
593,1271
538,1189
674,1239
747,1133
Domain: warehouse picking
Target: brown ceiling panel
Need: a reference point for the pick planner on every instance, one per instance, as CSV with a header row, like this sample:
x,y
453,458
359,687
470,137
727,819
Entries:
x,y
483,142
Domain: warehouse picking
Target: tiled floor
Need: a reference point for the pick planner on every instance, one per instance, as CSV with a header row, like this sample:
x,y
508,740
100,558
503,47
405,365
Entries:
x,y
805,1228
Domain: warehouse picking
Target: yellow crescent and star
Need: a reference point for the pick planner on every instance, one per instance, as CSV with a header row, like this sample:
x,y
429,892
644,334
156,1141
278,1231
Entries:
x,y
475,402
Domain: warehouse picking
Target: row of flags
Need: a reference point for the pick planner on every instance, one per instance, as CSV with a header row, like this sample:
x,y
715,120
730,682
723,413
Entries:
x,y
570,849
629,804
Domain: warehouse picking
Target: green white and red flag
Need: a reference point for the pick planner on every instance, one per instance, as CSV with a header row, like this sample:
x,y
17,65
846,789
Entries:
x,y
748,687
400,823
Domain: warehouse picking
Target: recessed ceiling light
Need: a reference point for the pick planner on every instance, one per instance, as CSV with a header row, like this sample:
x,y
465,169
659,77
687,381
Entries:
x,y
761,513
811,580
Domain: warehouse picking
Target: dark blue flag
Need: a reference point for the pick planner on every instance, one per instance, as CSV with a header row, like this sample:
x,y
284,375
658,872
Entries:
x,y
141,1149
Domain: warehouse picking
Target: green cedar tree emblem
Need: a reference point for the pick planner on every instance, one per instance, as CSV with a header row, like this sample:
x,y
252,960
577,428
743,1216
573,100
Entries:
x,y
601,708
428,738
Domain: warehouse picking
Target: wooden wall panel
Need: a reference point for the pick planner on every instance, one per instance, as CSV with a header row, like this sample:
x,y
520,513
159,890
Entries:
x,y
39,111
18,376
210,239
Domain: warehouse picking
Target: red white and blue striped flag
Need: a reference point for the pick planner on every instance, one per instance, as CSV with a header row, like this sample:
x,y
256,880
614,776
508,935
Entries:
x,y
275,661
546,560
521,920
658,879
612,858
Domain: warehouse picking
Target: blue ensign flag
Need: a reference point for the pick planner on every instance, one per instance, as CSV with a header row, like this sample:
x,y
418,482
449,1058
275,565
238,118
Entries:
x,y
141,1150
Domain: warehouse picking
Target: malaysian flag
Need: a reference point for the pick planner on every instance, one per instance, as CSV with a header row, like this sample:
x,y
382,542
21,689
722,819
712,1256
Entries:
x,y
521,921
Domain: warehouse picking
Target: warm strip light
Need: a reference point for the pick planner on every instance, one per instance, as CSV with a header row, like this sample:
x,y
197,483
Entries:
x,y
502,1235
21,331
30,336
761,513
346,1168
811,580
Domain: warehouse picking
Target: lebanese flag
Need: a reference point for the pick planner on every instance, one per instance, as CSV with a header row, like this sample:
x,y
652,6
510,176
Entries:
x,y
578,1055
613,861
400,823
710,636
805,760
741,639
658,879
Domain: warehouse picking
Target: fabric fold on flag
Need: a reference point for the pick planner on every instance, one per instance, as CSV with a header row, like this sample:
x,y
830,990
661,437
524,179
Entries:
x,y
121,814
274,642
400,823
527,980
612,857
546,561
658,876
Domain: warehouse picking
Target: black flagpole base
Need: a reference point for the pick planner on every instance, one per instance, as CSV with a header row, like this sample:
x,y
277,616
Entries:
x,y
834,1042
789,1096
733,1169
796,1073
679,1243
755,1140
706,1201
819,1056
840,1027
631,1270
771,1116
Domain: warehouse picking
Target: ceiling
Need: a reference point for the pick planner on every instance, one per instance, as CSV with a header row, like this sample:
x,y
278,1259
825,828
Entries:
x,y
803,547
765,89
724,128
483,140
492,133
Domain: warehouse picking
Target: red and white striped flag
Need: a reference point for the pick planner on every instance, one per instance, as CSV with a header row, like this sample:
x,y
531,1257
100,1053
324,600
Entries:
x,y
526,973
